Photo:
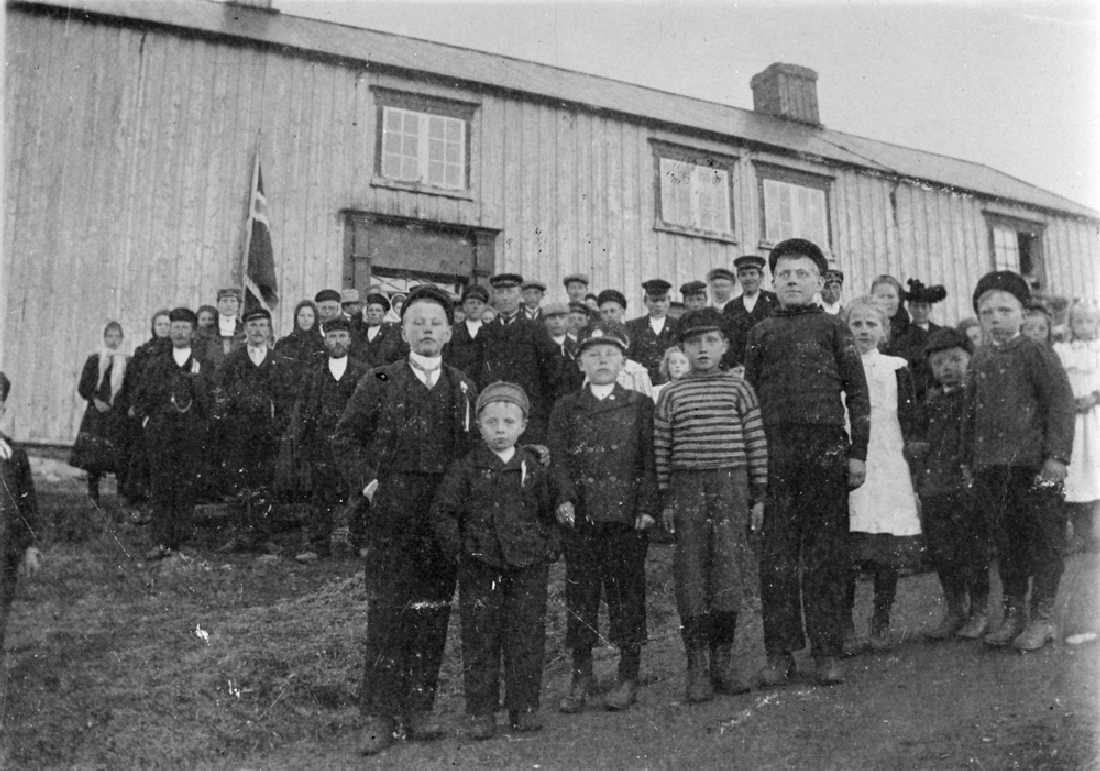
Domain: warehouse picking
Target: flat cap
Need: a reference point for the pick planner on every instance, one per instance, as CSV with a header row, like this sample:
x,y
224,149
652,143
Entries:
x,y
349,296
611,296
693,287
945,338
254,315
534,285
503,391
579,307
377,298
327,296
231,292
749,261
555,309
1002,281
430,293
656,286
700,321
833,275
605,332
725,273
475,291
183,314
581,277
505,280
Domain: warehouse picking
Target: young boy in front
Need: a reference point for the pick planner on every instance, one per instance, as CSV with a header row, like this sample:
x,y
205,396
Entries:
x,y
494,514
712,466
601,454
800,360
1018,430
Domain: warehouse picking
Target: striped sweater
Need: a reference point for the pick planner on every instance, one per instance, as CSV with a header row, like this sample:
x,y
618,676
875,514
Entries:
x,y
710,420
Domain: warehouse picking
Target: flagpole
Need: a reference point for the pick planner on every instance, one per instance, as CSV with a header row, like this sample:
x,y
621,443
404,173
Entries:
x,y
243,267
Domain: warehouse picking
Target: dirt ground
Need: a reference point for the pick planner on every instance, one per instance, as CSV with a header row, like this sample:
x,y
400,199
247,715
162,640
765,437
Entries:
x,y
240,662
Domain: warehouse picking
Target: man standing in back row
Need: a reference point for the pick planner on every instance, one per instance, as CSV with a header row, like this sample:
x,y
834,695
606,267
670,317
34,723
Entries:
x,y
751,307
651,335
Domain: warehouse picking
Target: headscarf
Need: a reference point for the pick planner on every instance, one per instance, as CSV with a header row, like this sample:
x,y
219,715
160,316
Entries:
x,y
114,360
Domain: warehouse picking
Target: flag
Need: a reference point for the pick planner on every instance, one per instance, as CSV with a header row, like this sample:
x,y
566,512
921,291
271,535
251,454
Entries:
x,y
261,289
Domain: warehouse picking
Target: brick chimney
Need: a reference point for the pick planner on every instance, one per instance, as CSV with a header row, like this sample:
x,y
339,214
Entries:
x,y
786,91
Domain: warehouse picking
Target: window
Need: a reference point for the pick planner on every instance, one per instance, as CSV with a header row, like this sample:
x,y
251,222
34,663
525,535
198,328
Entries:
x,y
423,143
694,192
793,205
1017,245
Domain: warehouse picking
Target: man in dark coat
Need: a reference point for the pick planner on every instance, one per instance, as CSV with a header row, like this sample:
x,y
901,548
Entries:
x,y
174,404
520,352
259,387
228,333
694,294
556,318
721,282
651,335
747,310
533,292
465,351
374,342
832,285
328,386
401,429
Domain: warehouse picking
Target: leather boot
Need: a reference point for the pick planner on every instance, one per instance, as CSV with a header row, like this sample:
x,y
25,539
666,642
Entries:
x,y
377,735
1014,621
953,617
1040,630
423,727
698,677
850,645
579,683
879,638
723,672
978,624
625,692
93,489
482,727
828,671
775,673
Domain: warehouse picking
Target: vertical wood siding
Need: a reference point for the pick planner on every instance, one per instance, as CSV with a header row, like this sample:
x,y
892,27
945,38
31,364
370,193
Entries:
x,y
130,154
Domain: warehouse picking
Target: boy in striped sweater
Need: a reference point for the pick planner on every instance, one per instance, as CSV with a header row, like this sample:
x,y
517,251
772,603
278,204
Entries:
x,y
712,460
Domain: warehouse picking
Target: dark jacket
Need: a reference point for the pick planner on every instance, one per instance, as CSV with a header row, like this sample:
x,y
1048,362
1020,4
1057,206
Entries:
x,y
570,377
387,346
941,472
648,348
322,403
1020,408
601,455
18,503
215,349
741,321
464,352
171,394
523,353
259,397
102,436
799,361
499,513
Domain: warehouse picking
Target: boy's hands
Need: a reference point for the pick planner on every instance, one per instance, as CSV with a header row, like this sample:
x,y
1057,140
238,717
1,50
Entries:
x,y
1053,471
566,515
643,522
756,518
32,561
542,452
668,518
857,473
1085,403
101,406
370,490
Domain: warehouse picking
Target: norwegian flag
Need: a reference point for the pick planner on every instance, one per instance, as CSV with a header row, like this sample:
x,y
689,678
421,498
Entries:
x,y
261,288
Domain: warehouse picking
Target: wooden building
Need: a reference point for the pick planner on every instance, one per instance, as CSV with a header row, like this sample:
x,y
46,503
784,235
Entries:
x,y
131,129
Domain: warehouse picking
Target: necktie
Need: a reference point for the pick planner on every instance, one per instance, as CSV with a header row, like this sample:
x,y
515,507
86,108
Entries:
x,y
430,375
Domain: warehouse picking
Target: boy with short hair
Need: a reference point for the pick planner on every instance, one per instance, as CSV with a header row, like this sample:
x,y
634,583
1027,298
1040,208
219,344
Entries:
x,y
601,451
494,514
800,360
711,459
1019,428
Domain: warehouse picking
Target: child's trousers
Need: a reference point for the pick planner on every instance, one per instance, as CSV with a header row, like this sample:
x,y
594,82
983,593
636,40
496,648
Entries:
x,y
607,557
956,532
711,515
503,612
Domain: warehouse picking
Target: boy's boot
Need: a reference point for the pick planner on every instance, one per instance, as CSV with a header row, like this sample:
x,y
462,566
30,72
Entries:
x,y
777,670
953,616
525,720
626,690
377,735
723,673
696,634
850,645
1040,630
978,623
579,683
828,670
886,587
93,489
1014,621
482,727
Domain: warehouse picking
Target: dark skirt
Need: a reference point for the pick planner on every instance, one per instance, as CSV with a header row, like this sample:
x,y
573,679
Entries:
x,y
100,445
898,551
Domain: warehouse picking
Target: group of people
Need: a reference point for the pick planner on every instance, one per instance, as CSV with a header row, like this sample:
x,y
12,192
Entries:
x,y
472,441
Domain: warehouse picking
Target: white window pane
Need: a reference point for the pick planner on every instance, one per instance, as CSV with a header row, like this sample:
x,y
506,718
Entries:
x,y
454,177
411,122
435,127
436,174
454,130
410,169
391,118
391,143
435,149
453,153
391,166
408,147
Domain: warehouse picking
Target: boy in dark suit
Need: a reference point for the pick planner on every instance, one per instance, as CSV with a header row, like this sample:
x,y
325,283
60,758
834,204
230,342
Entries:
x,y
376,343
654,333
749,308
601,451
466,349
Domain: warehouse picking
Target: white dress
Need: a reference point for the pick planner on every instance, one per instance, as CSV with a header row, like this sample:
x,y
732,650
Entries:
x,y
886,502
1081,360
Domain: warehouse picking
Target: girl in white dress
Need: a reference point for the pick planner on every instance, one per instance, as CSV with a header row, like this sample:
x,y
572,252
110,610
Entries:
x,y
1081,360
884,521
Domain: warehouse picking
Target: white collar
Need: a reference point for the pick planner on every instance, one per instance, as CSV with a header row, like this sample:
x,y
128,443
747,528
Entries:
x,y
426,363
338,366
559,339
473,326
505,455
227,325
601,392
657,324
372,332
181,355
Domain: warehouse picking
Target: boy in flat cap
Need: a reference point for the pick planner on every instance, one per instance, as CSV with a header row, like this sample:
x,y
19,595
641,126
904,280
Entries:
x,y
327,388
173,403
1018,437
800,360
402,428
652,334
532,293
832,285
721,282
494,515
466,349
956,530
612,305
580,316
711,459
694,294
376,343
576,287
752,306
519,351
260,388
601,451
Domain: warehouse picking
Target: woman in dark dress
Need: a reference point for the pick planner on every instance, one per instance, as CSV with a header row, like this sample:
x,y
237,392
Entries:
x,y
303,345
100,444
137,473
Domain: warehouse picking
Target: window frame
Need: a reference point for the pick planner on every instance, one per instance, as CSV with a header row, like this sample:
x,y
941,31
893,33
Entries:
x,y
699,158
1037,279
423,104
766,172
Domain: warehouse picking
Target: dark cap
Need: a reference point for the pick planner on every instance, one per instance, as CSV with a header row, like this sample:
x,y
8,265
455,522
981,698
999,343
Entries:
x,y
430,293
725,273
693,287
919,293
326,296
476,291
231,292
833,275
700,321
505,280
1002,281
534,285
611,296
5,387
259,313
578,307
945,338
377,298
749,261
604,332
183,314
502,391
581,277
337,324
656,286
798,247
